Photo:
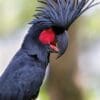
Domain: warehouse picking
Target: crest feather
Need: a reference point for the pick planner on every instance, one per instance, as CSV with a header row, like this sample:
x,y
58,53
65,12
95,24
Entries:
x,y
61,12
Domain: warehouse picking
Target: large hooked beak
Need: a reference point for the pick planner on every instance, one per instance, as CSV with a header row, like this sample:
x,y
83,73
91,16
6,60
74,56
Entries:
x,y
61,44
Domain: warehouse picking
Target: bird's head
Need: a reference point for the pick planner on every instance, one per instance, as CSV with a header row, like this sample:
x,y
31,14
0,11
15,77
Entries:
x,y
55,38
57,16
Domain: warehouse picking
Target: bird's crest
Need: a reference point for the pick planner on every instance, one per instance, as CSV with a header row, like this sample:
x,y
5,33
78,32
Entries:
x,y
61,12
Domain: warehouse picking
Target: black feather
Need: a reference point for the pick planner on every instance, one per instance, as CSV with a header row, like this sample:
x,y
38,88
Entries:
x,y
25,73
62,12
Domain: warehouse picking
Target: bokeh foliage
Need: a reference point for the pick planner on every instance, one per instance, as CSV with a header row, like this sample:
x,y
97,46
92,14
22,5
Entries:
x,y
15,13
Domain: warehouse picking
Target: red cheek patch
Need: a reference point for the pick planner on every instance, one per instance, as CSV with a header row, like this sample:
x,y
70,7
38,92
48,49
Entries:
x,y
47,36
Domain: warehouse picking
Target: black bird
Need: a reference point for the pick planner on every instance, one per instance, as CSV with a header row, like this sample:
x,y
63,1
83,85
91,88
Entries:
x,y
24,75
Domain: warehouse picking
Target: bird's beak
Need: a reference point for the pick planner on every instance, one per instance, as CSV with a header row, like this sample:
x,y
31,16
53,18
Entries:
x,y
62,43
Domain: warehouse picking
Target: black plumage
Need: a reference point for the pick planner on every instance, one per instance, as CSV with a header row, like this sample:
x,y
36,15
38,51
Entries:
x,y
24,75
62,12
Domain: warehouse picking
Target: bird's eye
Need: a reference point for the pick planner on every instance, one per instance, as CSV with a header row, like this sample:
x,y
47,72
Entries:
x,y
58,29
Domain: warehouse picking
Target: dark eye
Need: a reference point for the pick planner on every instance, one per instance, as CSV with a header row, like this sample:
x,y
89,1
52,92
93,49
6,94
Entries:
x,y
58,29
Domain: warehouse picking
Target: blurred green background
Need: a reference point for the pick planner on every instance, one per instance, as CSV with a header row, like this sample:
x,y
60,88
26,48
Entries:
x,y
75,76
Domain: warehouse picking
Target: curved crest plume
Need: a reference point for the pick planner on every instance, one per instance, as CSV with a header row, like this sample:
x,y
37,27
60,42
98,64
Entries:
x,y
62,12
